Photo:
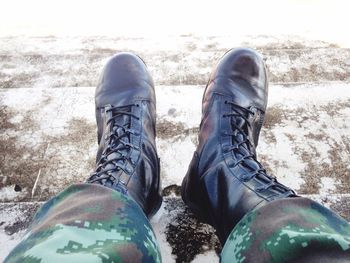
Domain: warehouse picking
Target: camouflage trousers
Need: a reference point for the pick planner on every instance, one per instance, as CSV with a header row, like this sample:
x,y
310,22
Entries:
x,y
91,223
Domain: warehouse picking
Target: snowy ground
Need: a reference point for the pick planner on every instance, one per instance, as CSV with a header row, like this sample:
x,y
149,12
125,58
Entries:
x,y
48,134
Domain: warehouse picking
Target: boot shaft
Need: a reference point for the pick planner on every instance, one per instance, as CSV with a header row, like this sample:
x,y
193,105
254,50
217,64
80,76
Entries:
x,y
127,159
224,180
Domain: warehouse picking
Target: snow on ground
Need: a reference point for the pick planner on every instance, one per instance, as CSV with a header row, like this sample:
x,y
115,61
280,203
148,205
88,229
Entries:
x,y
43,62
301,137
296,145
328,185
14,220
11,193
48,138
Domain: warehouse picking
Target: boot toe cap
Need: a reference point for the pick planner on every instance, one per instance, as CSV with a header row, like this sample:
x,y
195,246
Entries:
x,y
240,74
124,79
242,62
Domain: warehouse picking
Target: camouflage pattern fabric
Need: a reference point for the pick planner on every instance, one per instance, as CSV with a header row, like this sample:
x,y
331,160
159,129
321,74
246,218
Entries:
x,y
88,223
92,223
289,230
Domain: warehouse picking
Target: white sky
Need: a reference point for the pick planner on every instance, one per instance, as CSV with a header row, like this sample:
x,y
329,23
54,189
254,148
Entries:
x,y
322,19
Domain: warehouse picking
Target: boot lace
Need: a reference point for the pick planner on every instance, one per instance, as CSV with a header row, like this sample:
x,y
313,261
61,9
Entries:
x,y
116,154
242,148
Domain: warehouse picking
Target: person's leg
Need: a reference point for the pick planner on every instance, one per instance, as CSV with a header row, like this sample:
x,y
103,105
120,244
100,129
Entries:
x,y
88,223
289,230
260,219
105,219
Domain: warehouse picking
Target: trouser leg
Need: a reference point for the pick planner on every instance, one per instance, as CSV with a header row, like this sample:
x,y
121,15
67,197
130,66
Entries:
x,y
88,223
289,230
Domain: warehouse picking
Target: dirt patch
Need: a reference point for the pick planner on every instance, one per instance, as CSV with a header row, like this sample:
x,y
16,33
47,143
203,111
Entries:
x,y
269,136
340,168
95,54
176,58
303,64
56,70
282,45
19,163
80,66
21,222
167,129
190,46
193,79
335,166
5,115
172,190
274,116
316,136
311,73
342,207
268,164
316,169
292,44
186,235
46,38
3,75
264,160
19,80
184,77
80,133
334,108
346,142
69,159
290,137
211,46
303,116
35,58
312,174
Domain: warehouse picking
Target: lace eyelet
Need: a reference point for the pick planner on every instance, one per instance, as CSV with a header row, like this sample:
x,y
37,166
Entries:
x,y
259,190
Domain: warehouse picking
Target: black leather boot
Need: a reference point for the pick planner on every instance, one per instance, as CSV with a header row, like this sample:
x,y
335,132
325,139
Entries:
x,y
127,160
224,180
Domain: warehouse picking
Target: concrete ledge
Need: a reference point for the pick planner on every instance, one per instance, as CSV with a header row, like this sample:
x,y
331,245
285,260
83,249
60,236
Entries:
x,y
185,60
48,138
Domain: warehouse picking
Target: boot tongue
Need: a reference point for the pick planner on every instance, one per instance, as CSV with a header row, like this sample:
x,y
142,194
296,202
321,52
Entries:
x,y
244,148
117,127
239,123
